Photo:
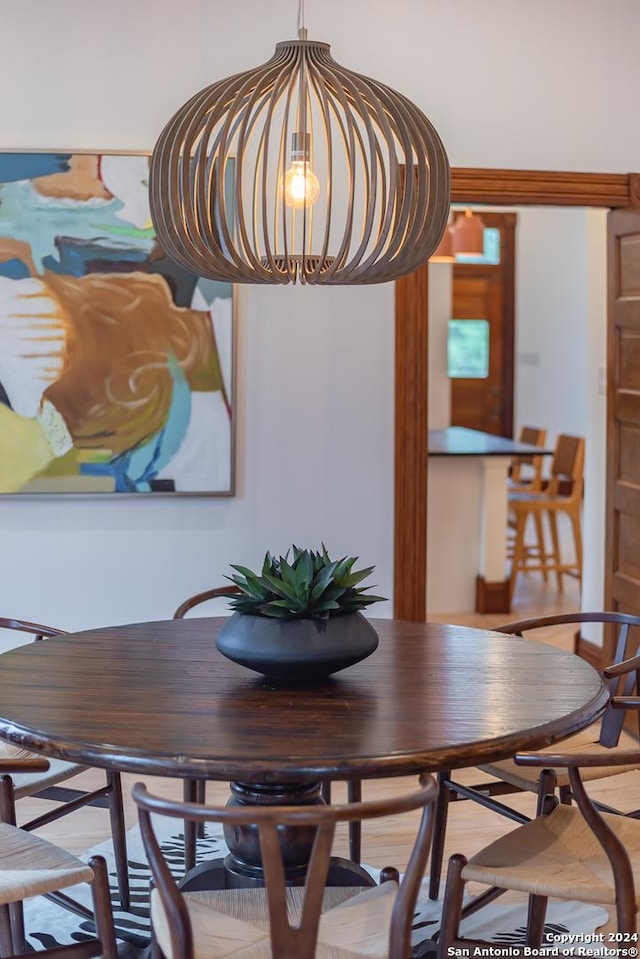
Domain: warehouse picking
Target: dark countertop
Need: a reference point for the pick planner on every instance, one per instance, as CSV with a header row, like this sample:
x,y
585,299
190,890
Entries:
x,y
458,441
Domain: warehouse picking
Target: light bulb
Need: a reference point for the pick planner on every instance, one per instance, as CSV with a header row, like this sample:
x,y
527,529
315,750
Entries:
x,y
301,185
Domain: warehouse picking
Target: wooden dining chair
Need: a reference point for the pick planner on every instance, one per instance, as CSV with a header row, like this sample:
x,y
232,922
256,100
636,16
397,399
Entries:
x,y
32,866
195,790
288,922
598,740
567,469
47,785
573,853
204,597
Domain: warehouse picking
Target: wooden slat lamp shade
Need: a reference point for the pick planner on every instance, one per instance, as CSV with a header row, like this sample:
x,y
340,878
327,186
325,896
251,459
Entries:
x,y
294,171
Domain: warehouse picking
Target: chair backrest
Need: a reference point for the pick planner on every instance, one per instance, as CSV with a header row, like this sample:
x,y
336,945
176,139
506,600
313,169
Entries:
x,y
37,630
203,597
533,435
567,467
288,941
625,647
528,469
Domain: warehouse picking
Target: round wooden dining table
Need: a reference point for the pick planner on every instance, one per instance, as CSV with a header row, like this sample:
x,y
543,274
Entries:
x,y
157,698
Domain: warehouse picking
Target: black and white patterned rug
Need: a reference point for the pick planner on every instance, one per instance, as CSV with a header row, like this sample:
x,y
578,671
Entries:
x,y
49,925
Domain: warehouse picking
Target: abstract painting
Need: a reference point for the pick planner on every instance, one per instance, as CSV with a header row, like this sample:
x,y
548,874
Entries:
x,y
116,365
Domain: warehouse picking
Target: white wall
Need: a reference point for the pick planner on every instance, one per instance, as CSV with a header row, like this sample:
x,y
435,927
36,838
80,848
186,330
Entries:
x,y
538,87
561,313
561,351
551,320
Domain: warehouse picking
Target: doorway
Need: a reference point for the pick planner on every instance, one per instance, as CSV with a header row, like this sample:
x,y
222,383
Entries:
x,y
469,186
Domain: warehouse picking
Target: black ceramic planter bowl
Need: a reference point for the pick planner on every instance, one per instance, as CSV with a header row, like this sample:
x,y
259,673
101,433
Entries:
x,y
297,650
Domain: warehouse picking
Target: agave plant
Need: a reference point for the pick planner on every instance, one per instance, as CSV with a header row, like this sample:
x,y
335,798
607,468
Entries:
x,y
311,586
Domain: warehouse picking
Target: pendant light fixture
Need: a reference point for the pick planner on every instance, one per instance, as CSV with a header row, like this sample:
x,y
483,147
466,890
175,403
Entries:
x,y
299,169
444,251
468,235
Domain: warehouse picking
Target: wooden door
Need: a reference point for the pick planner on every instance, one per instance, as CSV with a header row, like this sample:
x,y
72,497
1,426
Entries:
x,y
478,402
622,548
483,295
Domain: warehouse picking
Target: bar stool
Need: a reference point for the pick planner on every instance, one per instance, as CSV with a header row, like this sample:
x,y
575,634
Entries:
x,y
567,467
525,475
526,471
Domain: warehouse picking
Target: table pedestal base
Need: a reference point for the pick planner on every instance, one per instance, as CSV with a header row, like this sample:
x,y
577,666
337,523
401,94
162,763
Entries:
x,y
242,868
227,873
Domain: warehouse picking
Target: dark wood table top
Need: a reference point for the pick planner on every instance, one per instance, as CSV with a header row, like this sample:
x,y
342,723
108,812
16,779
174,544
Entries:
x,y
459,441
158,698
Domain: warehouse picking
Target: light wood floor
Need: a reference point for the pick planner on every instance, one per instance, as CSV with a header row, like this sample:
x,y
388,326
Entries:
x,y
386,842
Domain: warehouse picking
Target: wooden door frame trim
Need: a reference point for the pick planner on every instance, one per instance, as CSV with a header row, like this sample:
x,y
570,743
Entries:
x,y
468,185
540,188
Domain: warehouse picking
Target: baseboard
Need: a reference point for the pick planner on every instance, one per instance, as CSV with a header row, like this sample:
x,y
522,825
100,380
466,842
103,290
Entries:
x,y
493,597
588,651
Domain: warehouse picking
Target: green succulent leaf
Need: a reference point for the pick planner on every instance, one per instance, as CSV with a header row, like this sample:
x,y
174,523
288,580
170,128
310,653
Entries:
x,y
278,612
280,587
249,586
343,566
327,604
304,569
244,571
365,599
322,580
352,579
